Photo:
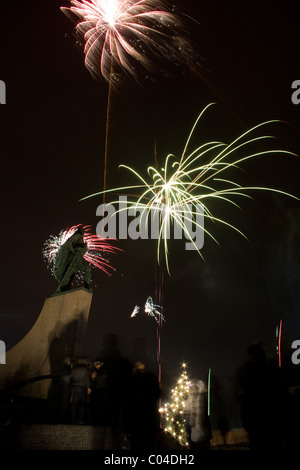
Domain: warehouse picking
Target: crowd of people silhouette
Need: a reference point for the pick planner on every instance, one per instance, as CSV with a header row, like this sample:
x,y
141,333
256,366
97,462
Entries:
x,y
123,396
112,392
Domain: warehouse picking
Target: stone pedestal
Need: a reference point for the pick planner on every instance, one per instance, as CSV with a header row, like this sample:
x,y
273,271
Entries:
x,y
57,333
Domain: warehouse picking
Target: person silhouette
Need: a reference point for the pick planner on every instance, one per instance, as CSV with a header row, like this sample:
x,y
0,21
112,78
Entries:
x,y
118,370
143,409
196,411
80,384
260,394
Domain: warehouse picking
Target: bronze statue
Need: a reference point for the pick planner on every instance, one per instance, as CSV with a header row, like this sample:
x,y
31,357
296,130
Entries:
x,y
70,261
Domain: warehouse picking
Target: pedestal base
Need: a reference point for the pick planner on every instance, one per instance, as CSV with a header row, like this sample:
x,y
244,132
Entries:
x,y
58,332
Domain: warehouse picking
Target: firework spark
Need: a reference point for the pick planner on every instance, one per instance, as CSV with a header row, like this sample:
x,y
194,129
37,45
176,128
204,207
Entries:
x,y
208,391
118,30
151,309
279,343
135,311
96,248
184,188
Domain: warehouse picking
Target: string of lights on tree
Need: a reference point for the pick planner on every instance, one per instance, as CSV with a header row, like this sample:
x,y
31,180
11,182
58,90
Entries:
x,y
173,413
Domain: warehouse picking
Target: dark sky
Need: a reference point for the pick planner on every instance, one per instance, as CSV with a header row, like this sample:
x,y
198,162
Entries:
x,y
245,58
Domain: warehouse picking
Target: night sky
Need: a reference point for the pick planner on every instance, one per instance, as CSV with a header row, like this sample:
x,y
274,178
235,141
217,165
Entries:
x,y
245,58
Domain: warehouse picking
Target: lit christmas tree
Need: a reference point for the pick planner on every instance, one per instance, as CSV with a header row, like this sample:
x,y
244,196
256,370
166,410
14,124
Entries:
x,y
173,413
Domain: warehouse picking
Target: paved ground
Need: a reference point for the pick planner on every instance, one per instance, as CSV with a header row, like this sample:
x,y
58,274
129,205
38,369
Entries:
x,y
80,437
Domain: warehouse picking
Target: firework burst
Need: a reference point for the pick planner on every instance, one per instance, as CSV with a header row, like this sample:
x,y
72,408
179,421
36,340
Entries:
x,y
120,30
183,189
151,309
97,248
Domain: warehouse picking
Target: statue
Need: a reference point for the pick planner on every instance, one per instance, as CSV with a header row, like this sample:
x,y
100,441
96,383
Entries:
x,y
75,251
70,260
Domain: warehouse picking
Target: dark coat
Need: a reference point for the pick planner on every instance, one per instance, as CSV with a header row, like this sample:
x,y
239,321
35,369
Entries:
x,y
80,376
